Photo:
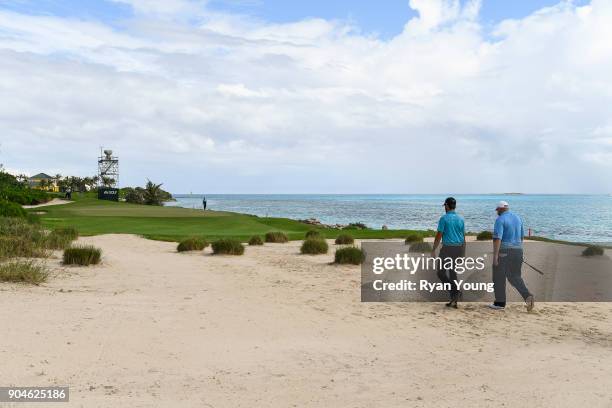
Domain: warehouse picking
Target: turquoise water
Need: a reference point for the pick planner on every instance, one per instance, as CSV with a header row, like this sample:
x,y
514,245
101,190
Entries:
x,y
581,218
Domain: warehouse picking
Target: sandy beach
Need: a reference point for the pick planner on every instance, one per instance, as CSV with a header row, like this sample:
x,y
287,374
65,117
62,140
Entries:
x,y
458,151
151,327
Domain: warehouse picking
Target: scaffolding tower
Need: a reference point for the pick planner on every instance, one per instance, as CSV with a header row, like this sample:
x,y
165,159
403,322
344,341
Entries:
x,y
108,169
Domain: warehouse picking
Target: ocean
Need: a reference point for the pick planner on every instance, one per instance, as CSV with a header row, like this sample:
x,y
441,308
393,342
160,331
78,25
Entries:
x,y
578,218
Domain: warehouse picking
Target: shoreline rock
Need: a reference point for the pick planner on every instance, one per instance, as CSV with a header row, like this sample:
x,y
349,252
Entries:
x,y
318,223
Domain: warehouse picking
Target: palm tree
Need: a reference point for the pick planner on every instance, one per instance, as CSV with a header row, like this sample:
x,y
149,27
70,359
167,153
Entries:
x,y
88,183
75,183
153,194
23,180
63,183
70,182
56,179
82,185
108,181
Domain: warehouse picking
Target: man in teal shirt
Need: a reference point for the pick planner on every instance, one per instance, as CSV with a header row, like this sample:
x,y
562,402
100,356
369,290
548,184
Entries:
x,y
451,231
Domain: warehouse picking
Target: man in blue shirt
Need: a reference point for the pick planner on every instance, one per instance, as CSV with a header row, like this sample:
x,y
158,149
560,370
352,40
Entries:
x,y
508,236
451,231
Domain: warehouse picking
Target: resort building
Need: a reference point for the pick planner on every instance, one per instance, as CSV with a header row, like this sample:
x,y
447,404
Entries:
x,y
42,181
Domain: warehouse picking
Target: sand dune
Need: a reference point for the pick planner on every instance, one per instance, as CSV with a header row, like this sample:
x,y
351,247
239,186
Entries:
x,y
151,327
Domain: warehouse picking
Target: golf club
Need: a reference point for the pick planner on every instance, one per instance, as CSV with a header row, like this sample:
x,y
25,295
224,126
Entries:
x,y
533,267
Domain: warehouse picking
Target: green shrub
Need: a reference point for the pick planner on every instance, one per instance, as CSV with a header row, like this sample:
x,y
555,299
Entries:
x,y
277,236
314,246
23,271
228,247
7,180
256,240
313,234
9,209
484,236
192,244
356,226
424,247
593,250
345,239
349,255
410,238
82,255
133,196
61,237
24,196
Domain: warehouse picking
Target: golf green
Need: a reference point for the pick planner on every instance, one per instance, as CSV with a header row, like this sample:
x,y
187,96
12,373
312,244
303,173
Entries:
x,y
93,217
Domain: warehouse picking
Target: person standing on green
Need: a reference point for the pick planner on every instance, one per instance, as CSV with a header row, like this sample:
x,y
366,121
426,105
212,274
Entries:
x,y
451,231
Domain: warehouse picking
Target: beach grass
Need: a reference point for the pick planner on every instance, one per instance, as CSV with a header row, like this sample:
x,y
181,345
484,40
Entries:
x,y
410,238
314,246
228,247
593,250
23,271
313,233
349,255
484,236
277,237
256,240
82,255
344,239
91,216
192,244
69,232
61,237
20,247
19,238
420,247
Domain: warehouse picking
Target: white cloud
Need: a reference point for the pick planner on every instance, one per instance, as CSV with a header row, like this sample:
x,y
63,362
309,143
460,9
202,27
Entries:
x,y
165,7
435,13
238,90
314,105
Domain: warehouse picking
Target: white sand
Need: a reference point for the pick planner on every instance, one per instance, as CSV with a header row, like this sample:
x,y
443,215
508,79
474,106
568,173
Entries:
x,y
151,327
55,201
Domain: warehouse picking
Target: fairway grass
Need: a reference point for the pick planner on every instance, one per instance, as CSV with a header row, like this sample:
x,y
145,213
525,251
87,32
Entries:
x,y
91,216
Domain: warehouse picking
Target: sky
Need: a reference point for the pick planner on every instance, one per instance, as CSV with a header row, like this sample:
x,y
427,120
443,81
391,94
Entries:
x,y
271,96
